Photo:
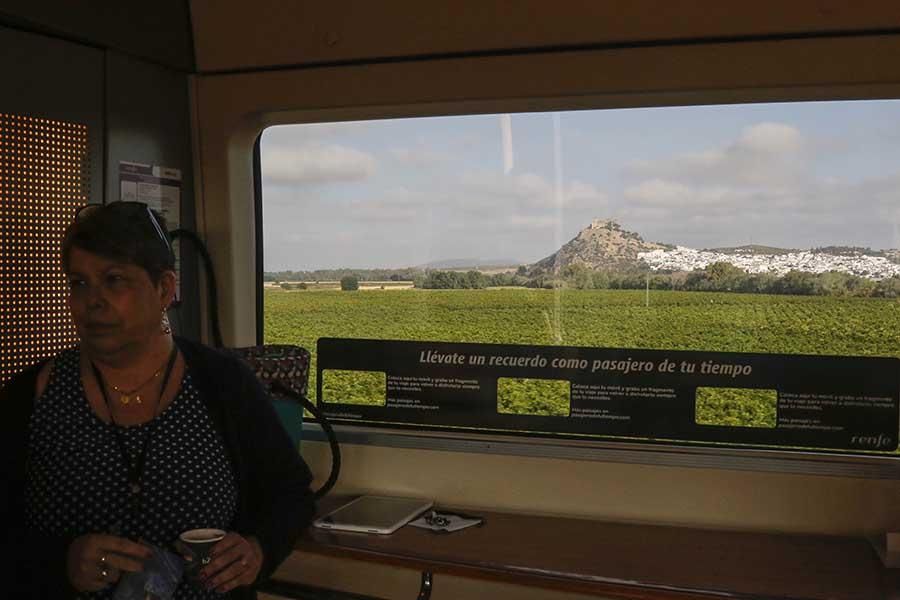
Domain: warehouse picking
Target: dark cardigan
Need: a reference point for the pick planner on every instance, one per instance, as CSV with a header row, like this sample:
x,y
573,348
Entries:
x,y
275,503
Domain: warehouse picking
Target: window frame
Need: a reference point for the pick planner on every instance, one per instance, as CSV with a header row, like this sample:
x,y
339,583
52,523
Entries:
x,y
671,454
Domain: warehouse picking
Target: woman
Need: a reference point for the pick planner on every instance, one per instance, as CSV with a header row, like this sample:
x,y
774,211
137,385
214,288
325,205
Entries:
x,y
132,437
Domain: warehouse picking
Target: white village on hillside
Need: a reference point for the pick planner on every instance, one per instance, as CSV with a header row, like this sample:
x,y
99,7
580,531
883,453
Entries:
x,y
688,259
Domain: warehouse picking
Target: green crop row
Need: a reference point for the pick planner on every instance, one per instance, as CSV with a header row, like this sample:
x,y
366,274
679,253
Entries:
x,y
722,322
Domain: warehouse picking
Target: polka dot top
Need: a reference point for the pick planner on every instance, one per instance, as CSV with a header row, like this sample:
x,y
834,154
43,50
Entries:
x,y
77,481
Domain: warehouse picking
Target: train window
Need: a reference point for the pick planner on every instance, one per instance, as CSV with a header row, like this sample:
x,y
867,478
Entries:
x,y
770,229
44,177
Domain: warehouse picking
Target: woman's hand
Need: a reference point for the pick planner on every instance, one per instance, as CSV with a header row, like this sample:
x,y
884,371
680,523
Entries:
x,y
236,560
95,561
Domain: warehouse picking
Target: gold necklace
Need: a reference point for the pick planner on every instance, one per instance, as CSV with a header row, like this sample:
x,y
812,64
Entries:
x,y
125,396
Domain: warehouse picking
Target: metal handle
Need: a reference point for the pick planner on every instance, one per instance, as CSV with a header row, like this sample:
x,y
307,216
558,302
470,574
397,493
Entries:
x,y
425,588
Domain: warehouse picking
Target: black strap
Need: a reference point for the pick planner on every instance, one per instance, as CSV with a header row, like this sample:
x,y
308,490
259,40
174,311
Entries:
x,y
213,306
284,388
211,286
136,468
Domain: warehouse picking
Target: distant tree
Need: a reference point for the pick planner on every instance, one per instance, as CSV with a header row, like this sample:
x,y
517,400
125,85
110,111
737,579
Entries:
x,y
522,270
759,283
578,276
349,283
798,283
862,287
833,283
888,288
660,282
677,280
508,279
554,284
724,276
453,280
285,286
437,280
475,280
600,280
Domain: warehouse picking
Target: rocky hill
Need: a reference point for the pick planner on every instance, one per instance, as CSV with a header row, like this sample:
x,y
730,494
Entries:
x,y
603,245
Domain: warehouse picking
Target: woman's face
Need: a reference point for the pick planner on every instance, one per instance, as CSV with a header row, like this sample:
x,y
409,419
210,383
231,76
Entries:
x,y
115,305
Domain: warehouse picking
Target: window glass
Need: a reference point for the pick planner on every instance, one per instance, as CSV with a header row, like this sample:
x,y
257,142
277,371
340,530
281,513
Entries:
x,y
764,228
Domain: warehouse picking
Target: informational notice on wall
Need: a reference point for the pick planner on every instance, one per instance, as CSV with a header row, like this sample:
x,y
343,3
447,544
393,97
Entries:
x,y
842,403
160,189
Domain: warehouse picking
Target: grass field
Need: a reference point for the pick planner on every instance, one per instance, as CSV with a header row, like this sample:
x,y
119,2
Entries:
x,y
336,285
596,318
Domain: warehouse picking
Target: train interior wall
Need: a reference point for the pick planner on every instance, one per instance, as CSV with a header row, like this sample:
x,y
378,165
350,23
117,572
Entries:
x,y
234,107
135,111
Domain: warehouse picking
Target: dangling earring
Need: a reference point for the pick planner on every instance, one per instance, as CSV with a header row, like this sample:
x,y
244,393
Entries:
x,y
166,329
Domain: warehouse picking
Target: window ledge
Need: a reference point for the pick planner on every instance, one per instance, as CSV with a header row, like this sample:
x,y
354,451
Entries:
x,y
773,461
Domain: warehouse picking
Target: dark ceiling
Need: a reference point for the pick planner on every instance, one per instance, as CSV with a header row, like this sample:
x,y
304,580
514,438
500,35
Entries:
x,y
157,31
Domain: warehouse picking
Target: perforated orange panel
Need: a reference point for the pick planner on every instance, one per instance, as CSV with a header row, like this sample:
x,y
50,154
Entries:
x,y
44,168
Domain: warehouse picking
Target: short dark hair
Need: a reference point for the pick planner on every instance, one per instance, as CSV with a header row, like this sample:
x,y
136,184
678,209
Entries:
x,y
122,231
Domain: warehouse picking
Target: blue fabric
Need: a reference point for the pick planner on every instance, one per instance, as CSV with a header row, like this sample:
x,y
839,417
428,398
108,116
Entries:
x,y
291,415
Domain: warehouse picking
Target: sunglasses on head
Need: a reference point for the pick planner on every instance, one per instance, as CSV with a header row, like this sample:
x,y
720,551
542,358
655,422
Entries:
x,y
136,208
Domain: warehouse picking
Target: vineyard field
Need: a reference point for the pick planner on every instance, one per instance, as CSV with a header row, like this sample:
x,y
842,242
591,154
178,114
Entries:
x,y
722,322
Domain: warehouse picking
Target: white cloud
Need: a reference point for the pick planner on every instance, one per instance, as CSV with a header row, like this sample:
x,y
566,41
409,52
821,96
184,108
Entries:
x,y
532,222
682,199
765,154
529,191
817,213
316,163
659,192
396,206
584,195
771,138
748,188
418,156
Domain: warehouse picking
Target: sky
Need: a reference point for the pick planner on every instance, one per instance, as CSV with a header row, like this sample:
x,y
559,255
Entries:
x,y
514,188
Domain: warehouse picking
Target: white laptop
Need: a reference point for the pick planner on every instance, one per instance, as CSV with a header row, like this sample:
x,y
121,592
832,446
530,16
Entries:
x,y
374,514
